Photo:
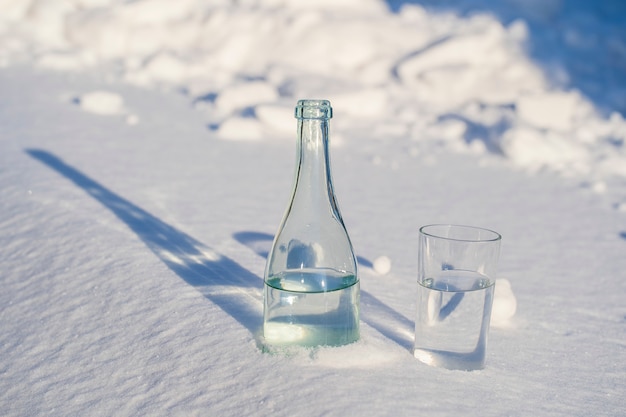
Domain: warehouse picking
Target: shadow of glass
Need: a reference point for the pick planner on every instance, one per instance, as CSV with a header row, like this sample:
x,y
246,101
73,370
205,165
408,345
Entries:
x,y
233,288
259,242
374,312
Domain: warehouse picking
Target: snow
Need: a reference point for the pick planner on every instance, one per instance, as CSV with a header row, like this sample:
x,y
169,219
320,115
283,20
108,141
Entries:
x,y
382,265
101,102
146,158
504,304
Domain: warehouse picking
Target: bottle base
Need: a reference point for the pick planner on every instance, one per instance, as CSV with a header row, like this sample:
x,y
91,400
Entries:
x,y
281,334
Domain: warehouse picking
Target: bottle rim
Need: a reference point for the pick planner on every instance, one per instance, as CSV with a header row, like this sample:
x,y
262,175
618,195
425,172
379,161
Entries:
x,y
313,109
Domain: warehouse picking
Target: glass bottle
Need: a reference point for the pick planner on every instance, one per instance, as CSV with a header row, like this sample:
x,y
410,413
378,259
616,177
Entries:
x,y
311,294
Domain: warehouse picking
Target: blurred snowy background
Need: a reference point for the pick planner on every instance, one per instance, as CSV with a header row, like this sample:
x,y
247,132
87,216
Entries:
x,y
540,82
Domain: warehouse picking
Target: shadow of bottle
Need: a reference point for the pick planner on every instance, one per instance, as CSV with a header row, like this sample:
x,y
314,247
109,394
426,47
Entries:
x,y
233,288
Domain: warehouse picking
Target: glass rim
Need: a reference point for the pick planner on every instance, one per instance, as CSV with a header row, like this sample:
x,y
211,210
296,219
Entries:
x,y
495,236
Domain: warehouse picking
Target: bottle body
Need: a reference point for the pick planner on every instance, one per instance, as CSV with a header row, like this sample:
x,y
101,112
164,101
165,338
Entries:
x,y
311,294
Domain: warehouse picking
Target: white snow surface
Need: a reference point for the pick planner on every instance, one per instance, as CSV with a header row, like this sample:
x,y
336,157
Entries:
x,y
146,158
101,102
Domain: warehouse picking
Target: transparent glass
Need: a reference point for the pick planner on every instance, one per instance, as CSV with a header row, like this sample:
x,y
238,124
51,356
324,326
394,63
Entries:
x,y
456,281
311,294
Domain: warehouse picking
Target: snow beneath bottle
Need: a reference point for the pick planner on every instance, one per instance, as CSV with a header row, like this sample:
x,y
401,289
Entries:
x,y
146,158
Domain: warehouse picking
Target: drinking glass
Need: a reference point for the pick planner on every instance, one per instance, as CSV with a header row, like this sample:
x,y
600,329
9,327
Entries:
x,y
456,280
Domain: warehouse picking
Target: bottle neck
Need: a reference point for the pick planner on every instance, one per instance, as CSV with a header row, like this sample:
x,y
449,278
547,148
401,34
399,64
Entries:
x,y
313,140
313,186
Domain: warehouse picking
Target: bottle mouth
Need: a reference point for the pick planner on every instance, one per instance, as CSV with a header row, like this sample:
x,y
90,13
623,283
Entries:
x,y
313,109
